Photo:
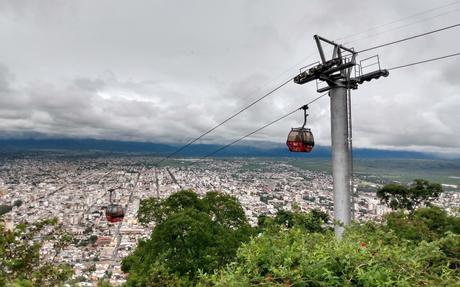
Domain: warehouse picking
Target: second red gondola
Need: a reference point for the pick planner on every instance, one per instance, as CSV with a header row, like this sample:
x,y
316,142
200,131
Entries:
x,y
114,212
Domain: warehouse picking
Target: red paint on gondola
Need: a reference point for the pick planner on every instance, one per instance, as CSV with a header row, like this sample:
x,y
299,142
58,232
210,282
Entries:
x,y
113,219
295,146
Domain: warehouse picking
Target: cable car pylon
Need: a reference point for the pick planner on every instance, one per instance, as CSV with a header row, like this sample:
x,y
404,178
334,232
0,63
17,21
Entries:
x,y
337,74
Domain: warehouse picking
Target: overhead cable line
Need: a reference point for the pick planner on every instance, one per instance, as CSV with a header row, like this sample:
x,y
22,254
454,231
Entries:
x,y
424,61
402,26
401,20
249,134
258,130
410,38
282,85
382,32
314,100
173,178
379,26
225,121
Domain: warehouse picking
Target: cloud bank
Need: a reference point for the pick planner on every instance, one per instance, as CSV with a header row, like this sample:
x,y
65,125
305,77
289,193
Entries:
x,y
166,71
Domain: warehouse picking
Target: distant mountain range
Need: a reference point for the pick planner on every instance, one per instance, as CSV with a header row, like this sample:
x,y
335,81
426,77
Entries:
x,y
196,150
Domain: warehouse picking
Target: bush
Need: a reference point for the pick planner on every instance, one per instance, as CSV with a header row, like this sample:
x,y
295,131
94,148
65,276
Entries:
x,y
423,224
367,256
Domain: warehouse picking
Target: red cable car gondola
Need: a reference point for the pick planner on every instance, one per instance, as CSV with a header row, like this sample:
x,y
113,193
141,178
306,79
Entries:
x,y
301,139
114,212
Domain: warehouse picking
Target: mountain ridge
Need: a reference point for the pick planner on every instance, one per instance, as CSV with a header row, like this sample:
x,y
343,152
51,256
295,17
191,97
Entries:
x,y
161,149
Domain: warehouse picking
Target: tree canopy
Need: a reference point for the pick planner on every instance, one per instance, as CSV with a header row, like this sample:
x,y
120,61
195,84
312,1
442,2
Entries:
x,y
420,192
20,263
191,235
313,221
423,224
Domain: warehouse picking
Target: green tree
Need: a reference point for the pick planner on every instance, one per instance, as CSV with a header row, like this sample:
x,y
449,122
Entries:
x,y
225,210
191,235
17,203
313,221
149,210
263,221
423,224
20,263
155,210
5,209
420,192
285,218
190,241
103,283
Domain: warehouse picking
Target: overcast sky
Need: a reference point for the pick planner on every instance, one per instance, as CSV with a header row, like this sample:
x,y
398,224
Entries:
x,y
166,71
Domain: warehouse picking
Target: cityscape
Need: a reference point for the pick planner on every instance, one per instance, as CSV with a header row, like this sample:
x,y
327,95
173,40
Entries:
x,y
229,143
76,192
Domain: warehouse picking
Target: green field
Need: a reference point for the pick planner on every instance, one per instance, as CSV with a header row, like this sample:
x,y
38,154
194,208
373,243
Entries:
x,y
386,170
372,170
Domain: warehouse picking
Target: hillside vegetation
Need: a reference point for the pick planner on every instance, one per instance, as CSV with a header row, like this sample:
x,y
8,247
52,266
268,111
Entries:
x,y
207,242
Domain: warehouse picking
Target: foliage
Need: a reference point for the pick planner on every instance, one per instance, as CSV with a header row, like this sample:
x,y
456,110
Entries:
x,y
368,255
20,263
103,283
195,241
149,210
312,221
225,210
17,203
154,210
191,234
5,209
87,241
157,274
423,224
420,192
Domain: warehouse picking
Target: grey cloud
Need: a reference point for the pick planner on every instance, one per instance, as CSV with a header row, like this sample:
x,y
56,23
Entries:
x,y
5,79
169,70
